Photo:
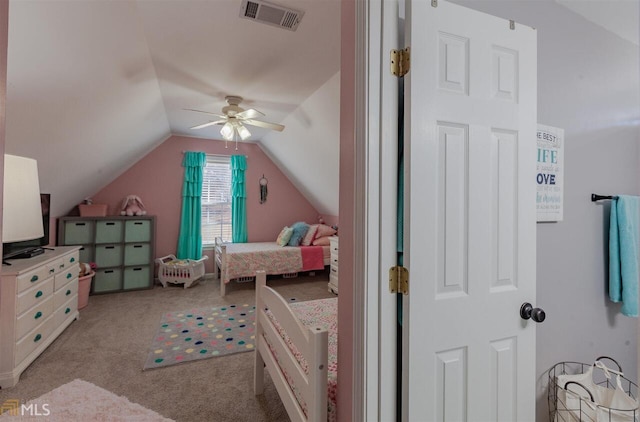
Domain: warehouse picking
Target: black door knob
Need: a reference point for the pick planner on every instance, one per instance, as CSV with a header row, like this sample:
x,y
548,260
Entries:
x,y
527,311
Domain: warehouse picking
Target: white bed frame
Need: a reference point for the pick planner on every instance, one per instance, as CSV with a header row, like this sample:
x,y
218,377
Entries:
x,y
311,342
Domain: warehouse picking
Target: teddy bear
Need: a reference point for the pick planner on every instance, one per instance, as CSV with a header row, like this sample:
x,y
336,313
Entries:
x,y
132,205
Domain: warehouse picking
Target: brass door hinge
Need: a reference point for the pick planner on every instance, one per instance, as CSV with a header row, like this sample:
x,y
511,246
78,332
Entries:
x,y
400,62
399,280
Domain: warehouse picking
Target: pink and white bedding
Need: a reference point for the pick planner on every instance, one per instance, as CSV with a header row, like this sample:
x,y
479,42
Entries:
x,y
244,259
314,313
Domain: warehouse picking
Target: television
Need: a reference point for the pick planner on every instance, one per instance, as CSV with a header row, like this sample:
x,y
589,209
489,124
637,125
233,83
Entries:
x,y
32,247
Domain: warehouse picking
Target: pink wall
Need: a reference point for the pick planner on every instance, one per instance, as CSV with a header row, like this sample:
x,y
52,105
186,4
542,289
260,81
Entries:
x,y
347,208
157,179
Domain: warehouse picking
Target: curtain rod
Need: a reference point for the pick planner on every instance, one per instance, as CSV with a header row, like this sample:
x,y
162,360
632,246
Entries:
x,y
246,156
595,197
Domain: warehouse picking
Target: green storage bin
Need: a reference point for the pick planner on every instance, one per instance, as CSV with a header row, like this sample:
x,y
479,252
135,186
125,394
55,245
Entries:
x,y
107,280
137,231
78,232
137,278
136,254
108,255
86,254
109,231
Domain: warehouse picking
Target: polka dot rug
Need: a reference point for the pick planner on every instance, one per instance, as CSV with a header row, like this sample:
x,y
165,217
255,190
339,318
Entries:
x,y
202,333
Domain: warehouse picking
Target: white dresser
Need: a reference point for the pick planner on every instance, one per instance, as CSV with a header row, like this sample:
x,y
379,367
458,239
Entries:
x,y
38,300
333,269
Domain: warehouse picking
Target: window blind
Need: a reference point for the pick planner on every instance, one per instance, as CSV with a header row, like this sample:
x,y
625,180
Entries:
x,y
216,199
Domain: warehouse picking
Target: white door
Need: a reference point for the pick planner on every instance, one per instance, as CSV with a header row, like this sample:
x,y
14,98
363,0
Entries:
x,y
470,122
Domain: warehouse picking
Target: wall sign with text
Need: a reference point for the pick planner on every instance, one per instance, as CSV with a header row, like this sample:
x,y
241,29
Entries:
x,y
549,173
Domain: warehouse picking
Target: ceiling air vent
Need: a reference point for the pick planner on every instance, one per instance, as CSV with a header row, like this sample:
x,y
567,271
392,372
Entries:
x,y
271,14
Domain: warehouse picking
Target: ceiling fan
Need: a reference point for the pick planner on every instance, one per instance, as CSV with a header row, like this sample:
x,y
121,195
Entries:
x,y
234,118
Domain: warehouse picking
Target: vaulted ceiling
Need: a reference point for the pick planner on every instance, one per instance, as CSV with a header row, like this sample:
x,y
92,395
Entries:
x,y
95,85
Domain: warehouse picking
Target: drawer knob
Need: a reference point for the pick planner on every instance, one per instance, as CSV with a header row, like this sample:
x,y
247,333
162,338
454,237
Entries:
x,y
39,293
72,260
52,270
34,278
69,275
68,293
66,311
37,338
38,315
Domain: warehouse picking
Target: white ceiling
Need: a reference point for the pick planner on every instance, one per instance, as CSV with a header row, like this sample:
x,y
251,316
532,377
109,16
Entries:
x,y
622,17
95,85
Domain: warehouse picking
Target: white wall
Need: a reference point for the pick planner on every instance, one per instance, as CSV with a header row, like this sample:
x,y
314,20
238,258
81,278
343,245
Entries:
x,y
308,150
588,85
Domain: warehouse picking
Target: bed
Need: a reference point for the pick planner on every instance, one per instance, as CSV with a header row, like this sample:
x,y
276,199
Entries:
x,y
297,343
240,261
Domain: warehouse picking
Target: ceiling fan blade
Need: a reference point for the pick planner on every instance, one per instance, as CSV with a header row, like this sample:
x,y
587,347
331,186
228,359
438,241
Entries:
x,y
206,112
217,122
249,114
266,125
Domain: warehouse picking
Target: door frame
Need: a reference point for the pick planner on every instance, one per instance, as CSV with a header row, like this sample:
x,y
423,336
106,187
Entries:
x,y
374,354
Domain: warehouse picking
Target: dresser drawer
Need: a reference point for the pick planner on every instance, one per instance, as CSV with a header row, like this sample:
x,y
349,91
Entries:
x,y
34,277
33,317
62,278
62,295
68,260
38,293
32,340
66,310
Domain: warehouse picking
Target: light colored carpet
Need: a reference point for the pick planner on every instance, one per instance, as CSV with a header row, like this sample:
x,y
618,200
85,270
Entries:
x,y
108,345
83,402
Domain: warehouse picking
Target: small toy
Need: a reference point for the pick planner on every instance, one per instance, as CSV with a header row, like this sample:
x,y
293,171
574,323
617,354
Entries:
x,y
132,205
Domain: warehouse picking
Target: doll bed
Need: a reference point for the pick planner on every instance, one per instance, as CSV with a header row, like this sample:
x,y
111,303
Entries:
x,y
240,261
298,344
180,271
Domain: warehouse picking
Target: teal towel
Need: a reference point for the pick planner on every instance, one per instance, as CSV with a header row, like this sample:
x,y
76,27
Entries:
x,y
623,253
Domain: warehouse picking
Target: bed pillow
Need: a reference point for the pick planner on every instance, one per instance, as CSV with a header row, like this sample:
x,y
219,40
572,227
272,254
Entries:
x,y
322,241
324,230
310,236
284,236
299,230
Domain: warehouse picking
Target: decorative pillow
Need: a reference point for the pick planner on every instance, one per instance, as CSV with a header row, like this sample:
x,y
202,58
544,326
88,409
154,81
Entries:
x,y
324,230
322,241
311,234
299,230
284,236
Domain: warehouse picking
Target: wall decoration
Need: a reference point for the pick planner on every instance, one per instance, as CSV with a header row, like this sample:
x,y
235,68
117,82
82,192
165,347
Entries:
x,y
550,173
263,189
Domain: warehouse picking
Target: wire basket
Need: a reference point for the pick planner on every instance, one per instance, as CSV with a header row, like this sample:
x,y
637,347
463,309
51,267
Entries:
x,y
576,403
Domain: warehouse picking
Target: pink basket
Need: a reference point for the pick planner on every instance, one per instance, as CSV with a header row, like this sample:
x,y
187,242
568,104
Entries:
x,y
84,287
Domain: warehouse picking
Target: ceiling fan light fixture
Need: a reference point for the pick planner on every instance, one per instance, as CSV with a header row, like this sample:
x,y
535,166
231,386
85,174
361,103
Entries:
x,y
227,131
243,132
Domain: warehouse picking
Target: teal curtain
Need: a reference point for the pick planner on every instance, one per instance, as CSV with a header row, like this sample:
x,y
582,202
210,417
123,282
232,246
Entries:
x,y
190,238
238,199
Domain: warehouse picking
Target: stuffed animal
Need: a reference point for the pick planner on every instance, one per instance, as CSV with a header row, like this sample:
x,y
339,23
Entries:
x,y
132,205
85,269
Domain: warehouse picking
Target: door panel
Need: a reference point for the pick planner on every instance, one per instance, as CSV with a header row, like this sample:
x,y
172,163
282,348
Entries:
x,y
470,119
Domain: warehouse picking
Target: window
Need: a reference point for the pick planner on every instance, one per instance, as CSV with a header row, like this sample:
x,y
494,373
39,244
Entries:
x,y
216,199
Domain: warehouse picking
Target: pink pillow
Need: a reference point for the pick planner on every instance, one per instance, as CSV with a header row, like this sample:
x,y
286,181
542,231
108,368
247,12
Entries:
x,y
311,234
324,230
322,241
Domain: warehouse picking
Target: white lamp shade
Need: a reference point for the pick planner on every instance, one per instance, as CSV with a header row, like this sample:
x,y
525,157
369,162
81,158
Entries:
x,y
227,131
243,132
21,210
